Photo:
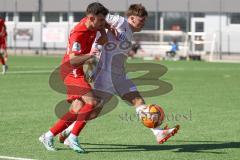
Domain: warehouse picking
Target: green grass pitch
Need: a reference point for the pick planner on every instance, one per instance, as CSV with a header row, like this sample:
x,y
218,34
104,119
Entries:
x,y
205,101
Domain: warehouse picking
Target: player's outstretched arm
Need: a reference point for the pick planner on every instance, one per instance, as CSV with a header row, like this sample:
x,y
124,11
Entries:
x,y
77,50
78,60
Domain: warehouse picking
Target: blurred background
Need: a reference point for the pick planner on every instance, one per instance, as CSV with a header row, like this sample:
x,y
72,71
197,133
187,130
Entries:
x,y
179,33
202,29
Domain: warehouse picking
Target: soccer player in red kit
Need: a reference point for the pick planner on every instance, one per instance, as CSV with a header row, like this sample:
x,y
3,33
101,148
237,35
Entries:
x,y
3,46
79,92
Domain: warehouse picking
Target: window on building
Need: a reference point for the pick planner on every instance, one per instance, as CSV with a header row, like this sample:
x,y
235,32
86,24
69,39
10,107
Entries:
x,y
10,16
77,16
199,27
52,17
150,22
175,21
199,15
36,16
235,18
65,16
25,16
3,15
119,13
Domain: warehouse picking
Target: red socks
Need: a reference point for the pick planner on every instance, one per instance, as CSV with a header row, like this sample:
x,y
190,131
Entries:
x,y
63,123
83,116
69,118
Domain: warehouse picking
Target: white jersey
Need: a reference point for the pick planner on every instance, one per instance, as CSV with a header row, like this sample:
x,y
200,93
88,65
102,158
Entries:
x,y
114,53
116,45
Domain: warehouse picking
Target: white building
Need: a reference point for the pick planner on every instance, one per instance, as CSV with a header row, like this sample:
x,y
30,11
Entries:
x,y
29,21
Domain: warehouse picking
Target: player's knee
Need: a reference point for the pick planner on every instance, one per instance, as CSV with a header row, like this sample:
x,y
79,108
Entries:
x,y
91,101
76,106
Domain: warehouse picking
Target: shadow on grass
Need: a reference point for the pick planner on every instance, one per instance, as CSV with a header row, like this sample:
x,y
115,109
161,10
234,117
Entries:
x,y
201,147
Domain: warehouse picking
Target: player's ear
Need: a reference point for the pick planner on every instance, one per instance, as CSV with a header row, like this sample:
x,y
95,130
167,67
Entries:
x,y
92,18
132,19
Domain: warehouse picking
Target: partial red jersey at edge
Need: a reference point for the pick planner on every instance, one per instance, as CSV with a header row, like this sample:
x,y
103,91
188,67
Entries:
x,y
80,42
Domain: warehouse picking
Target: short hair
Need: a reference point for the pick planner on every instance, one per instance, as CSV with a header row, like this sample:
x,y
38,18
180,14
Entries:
x,y
96,9
136,10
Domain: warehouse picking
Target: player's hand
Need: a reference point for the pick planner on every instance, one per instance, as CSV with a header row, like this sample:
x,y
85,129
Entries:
x,y
103,39
107,26
95,52
114,31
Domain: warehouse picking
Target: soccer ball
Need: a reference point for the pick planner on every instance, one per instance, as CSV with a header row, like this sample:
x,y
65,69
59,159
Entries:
x,y
152,116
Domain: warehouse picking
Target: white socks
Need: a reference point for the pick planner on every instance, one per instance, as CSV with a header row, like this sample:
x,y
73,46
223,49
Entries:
x,y
72,136
156,131
69,129
140,108
4,69
49,134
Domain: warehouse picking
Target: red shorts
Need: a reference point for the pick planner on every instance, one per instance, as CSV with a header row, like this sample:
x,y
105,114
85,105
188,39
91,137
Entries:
x,y
76,87
3,44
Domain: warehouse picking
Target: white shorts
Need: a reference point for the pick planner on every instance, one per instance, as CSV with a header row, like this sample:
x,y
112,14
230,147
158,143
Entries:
x,y
114,84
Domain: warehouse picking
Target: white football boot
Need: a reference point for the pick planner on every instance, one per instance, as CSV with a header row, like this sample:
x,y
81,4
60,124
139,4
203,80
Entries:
x,y
47,142
73,143
162,135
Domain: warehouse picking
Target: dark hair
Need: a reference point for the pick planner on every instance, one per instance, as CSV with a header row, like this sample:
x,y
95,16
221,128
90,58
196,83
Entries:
x,y
96,9
136,10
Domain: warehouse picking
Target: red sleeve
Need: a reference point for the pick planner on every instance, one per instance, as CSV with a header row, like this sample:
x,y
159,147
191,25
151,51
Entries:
x,y
77,43
1,31
5,31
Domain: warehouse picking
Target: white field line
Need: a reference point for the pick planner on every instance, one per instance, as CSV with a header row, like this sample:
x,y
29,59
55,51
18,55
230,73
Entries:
x,y
14,158
31,72
32,67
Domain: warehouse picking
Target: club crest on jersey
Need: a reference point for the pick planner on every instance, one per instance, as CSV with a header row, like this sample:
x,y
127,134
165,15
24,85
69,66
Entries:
x,y
76,46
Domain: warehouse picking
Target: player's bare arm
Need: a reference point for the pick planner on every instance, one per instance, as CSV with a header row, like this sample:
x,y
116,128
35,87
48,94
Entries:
x,y
78,60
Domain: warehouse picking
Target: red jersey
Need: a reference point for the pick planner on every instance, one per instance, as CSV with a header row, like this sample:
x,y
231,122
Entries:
x,y
2,29
80,42
3,35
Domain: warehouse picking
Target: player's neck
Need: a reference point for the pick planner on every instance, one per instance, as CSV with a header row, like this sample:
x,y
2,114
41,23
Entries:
x,y
132,28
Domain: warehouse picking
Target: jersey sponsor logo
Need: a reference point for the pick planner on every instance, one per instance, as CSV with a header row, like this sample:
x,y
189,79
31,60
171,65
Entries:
x,y
110,46
125,45
76,47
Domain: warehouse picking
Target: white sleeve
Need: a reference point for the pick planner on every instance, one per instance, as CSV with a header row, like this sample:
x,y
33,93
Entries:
x,y
114,20
117,22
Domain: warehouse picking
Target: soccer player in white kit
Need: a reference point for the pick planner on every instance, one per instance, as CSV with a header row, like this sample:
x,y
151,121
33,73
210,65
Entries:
x,y
110,77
